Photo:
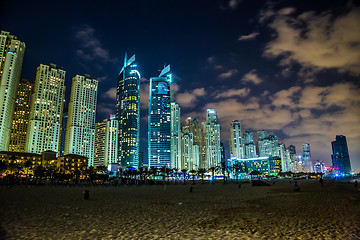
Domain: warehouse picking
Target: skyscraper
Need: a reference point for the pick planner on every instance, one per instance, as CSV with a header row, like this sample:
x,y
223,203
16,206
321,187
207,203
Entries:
x,y
11,58
187,143
21,116
80,127
307,166
46,110
236,141
285,158
63,133
250,148
128,113
159,135
175,136
212,138
340,156
106,142
193,126
264,144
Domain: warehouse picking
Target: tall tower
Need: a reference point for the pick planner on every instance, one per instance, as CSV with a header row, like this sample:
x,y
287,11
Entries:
x,y
80,127
340,156
159,120
193,126
307,157
263,144
46,110
212,138
106,142
250,148
175,136
236,141
11,58
128,113
21,116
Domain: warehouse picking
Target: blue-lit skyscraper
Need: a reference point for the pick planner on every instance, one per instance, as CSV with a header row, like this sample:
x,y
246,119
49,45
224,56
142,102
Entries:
x,y
128,113
159,120
340,156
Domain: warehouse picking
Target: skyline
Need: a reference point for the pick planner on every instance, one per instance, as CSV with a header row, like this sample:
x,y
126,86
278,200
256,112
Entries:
x,y
301,89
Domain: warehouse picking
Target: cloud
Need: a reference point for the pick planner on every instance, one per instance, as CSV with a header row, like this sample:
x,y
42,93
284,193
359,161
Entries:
x,y
111,93
316,41
243,92
248,37
108,108
234,3
90,46
251,77
102,78
228,74
188,99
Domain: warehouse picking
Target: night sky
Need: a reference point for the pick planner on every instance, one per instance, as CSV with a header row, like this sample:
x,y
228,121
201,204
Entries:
x,y
289,67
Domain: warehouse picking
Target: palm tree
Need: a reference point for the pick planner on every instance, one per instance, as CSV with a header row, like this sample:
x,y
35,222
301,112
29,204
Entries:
x,y
153,171
193,173
236,171
213,170
175,171
3,166
202,171
184,172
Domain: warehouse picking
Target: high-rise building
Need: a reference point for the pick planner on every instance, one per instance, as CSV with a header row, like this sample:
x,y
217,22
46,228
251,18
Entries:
x,y
11,58
80,127
212,139
63,133
264,144
193,126
319,167
187,142
159,135
175,136
237,149
46,110
285,158
21,116
250,148
306,158
340,156
128,113
274,146
106,142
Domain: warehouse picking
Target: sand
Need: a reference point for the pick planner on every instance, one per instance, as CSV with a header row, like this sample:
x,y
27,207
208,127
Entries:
x,y
209,212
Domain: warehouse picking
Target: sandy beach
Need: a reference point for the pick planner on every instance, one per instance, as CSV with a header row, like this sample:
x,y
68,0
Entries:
x,y
209,212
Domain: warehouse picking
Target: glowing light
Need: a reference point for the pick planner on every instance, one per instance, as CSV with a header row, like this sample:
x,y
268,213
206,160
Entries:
x,y
109,167
135,71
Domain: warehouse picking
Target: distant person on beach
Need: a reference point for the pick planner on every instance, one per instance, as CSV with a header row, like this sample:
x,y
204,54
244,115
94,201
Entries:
x,y
296,187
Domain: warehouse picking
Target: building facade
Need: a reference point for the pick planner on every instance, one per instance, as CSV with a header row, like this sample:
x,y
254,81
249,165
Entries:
x,y
106,142
11,58
193,126
175,136
46,110
340,156
212,139
236,142
159,128
250,147
306,158
21,116
80,127
128,113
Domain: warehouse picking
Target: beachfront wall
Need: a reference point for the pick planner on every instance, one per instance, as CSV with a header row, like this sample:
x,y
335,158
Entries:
x,y
270,166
